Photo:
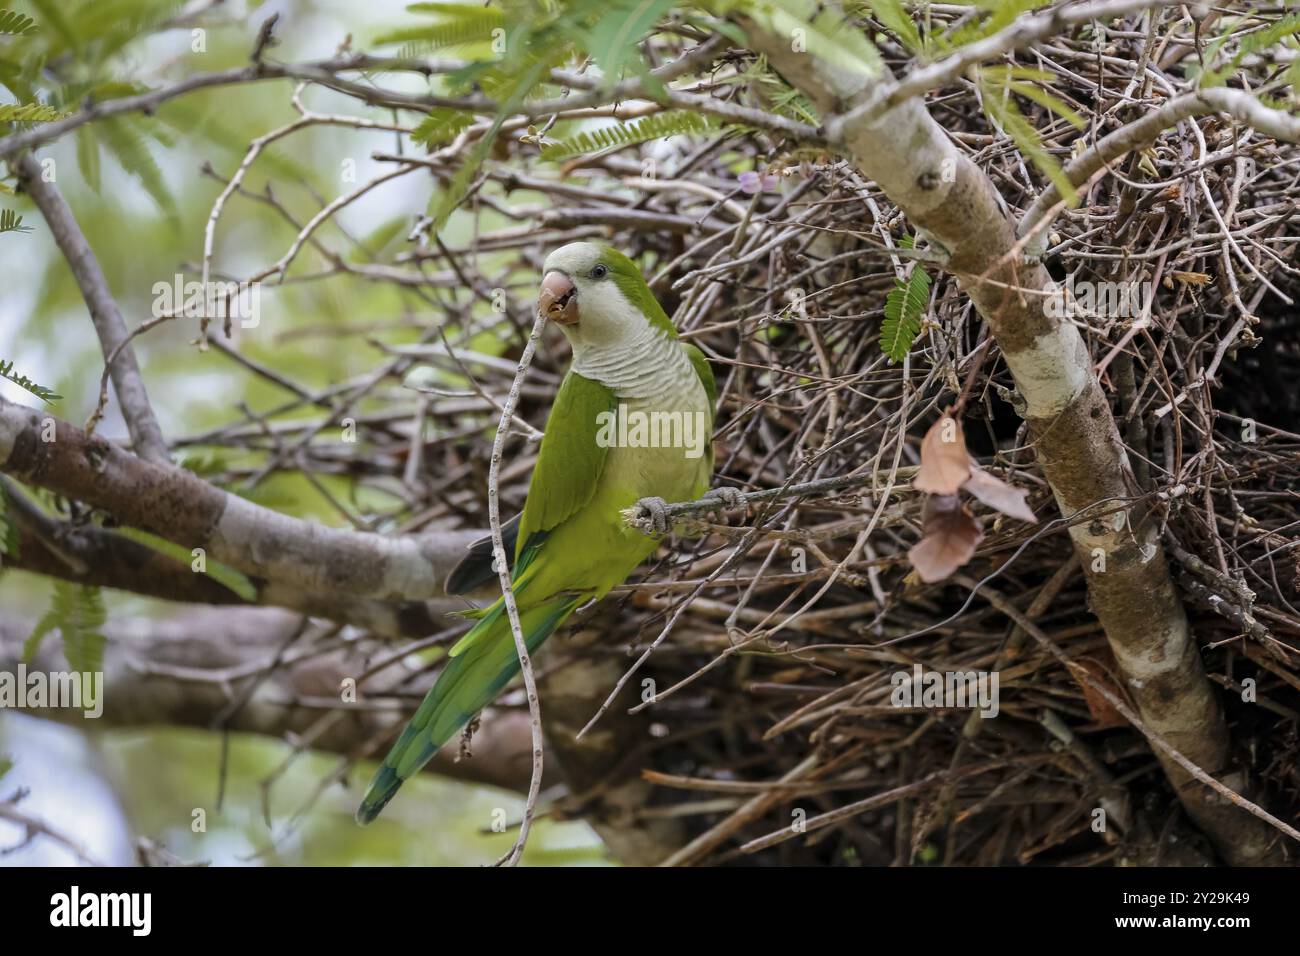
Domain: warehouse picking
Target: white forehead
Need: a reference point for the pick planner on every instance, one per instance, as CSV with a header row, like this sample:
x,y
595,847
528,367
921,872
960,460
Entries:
x,y
573,258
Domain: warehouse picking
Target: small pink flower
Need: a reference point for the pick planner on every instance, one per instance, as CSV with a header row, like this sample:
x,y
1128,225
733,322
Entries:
x,y
752,183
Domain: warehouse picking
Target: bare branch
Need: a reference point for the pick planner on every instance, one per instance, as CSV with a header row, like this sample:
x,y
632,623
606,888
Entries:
x,y
177,505
1141,133
146,436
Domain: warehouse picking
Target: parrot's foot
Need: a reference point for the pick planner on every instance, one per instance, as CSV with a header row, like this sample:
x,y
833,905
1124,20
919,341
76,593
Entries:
x,y
728,498
654,510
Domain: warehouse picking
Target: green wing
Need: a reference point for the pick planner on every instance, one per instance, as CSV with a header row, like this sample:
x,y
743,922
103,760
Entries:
x,y
564,479
701,364
569,462
702,369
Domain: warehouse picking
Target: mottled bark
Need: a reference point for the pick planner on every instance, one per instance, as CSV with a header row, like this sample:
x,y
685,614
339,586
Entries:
x,y
88,554
178,505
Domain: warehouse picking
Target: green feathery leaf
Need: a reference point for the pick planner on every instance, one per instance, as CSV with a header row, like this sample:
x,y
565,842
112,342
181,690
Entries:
x,y
456,24
10,221
22,381
88,156
782,98
16,24
821,30
1293,76
1032,84
998,15
129,147
896,20
8,530
996,87
657,126
53,16
28,113
1252,42
444,202
904,307
76,611
612,39
442,126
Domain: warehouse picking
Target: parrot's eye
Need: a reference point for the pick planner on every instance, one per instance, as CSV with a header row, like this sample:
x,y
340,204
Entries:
x,y
600,271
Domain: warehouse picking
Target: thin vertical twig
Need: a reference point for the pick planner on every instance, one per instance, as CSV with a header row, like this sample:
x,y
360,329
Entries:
x,y
508,593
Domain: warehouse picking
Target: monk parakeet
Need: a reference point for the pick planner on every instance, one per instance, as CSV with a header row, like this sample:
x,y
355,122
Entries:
x,y
633,420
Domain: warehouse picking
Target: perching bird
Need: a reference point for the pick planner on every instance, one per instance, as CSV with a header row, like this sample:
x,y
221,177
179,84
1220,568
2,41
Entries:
x,y
633,420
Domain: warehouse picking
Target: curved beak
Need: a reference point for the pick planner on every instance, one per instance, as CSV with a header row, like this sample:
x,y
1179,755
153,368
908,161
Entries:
x,y
558,299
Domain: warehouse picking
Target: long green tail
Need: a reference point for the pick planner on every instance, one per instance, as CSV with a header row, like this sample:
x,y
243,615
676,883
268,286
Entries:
x,y
470,681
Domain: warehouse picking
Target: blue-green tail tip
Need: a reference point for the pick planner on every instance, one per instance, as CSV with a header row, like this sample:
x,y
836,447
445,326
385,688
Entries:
x,y
382,789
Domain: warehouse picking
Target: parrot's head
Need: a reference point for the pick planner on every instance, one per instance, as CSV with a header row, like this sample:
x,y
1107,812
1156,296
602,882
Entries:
x,y
598,297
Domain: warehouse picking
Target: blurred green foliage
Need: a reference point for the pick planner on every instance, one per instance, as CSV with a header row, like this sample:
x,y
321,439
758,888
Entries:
x,y
142,194
165,776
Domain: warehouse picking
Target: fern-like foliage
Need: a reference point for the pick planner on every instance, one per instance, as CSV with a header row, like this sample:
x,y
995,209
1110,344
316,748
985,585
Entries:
x,y
76,611
611,39
997,86
16,24
10,221
904,307
76,57
996,15
446,201
896,20
8,531
22,381
127,143
781,97
28,113
657,126
442,126
454,25
512,46
97,30
818,27
1256,41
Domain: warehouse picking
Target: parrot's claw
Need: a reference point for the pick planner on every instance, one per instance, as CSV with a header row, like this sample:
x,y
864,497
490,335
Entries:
x,y
655,511
729,499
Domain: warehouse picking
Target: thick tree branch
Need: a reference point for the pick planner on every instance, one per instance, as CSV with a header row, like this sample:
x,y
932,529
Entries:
x,y
179,506
1024,32
187,670
93,556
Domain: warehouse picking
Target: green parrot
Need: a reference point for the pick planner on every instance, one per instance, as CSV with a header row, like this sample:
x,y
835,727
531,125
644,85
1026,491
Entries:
x,y
632,423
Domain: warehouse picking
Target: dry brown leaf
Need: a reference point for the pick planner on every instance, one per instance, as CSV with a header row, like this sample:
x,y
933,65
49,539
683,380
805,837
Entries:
x,y
951,536
1101,710
945,463
996,493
